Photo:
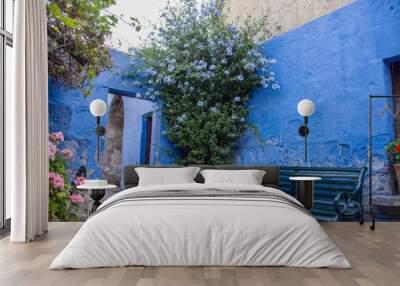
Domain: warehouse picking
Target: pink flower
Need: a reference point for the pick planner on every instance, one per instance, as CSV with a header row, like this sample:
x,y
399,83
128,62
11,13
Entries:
x,y
76,198
67,153
52,151
79,181
56,180
56,137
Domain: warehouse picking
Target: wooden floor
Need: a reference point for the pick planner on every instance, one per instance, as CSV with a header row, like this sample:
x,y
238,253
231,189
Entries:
x,y
375,257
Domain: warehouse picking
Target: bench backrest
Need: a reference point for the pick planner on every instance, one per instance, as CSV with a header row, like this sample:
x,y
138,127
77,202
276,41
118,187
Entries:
x,y
333,179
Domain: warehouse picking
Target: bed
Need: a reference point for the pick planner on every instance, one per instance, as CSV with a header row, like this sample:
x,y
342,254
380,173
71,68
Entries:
x,y
197,224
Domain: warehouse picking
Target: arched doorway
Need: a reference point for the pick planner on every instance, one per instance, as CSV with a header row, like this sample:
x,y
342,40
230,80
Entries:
x,y
141,132
114,136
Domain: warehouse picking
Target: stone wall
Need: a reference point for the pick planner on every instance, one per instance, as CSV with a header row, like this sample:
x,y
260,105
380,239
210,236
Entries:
x,y
111,160
337,61
284,15
69,113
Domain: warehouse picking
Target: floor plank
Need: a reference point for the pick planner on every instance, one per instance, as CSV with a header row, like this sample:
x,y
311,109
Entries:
x,y
375,257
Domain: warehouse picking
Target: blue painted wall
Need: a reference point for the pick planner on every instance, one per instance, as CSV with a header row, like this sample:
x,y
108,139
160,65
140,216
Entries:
x,y
69,112
336,61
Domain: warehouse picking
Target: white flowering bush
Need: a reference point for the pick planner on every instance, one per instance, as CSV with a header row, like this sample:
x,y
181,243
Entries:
x,y
202,70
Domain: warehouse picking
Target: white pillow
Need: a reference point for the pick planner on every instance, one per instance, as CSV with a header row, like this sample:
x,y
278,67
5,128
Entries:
x,y
248,177
166,176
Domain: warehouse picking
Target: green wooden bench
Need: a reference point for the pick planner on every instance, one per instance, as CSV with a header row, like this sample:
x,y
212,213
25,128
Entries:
x,y
338,196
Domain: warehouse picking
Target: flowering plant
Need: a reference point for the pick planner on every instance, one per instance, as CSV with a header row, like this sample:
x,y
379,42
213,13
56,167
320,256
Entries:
x,y
201,69
393,151
64,200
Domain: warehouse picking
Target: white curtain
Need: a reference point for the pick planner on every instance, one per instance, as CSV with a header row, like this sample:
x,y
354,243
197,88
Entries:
x,y
27,124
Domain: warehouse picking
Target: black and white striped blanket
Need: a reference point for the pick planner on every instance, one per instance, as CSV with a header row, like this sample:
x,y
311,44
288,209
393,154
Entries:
x,y
207,194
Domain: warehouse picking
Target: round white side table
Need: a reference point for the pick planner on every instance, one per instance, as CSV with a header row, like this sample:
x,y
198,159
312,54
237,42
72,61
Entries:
x,y
96,193
305,190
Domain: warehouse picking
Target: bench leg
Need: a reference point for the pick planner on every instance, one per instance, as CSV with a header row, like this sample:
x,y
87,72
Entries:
x,y
361,219
372,226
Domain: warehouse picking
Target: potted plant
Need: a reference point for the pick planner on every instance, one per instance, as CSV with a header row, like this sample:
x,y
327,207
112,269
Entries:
x,y
393,151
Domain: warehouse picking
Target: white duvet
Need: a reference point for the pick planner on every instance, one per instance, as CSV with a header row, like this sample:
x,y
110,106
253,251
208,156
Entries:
x,y
200,231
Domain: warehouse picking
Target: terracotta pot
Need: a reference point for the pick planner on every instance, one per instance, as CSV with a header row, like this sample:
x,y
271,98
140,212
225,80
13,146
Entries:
x,y
397,171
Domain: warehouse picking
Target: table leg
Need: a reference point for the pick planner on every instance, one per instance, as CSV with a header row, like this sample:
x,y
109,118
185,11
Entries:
x,y
96,196
305,193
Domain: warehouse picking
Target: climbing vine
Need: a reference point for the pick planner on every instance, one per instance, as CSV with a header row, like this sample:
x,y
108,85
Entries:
x,y
202,69
78,31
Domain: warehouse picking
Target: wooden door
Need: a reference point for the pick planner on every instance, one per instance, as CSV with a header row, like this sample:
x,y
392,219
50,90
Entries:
x,y
149,125
145,144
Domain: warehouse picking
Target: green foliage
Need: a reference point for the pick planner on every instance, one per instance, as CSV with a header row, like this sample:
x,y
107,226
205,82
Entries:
x,y
202,70
77,34
393,151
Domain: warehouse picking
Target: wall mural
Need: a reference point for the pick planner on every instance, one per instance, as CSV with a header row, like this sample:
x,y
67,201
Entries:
x,y
196,87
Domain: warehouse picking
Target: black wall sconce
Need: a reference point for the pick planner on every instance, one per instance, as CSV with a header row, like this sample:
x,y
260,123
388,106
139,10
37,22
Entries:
x,y
98,108
305,108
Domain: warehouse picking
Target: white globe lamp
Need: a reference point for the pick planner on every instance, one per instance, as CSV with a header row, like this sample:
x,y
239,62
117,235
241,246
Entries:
x,y
98,108
305,108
